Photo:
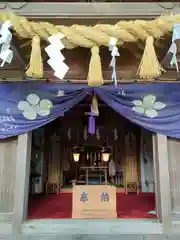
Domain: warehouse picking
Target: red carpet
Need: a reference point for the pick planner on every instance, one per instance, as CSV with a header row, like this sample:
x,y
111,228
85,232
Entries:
x,y
52,206
60,206
135,206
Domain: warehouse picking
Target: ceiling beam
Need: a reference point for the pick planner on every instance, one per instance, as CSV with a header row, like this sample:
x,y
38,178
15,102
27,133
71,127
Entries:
x,y
80,10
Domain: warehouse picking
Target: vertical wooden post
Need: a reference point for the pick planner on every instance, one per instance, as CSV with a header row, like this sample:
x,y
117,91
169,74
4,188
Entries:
x,y
162,181
174,166
8,149
156,176
21,181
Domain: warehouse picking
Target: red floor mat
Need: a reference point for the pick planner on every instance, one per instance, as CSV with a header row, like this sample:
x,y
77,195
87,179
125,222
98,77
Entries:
x,y
135,206
52,206
60,206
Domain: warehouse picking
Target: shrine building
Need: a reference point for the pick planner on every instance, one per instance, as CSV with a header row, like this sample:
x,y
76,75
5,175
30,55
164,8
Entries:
x,y
89,118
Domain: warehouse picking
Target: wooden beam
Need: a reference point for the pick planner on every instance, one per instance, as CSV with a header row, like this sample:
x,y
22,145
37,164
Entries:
x,y
93,10
123,76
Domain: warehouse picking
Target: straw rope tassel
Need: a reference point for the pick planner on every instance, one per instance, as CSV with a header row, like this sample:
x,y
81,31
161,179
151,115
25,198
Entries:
x,y
95,105
35,69
95,77
149,67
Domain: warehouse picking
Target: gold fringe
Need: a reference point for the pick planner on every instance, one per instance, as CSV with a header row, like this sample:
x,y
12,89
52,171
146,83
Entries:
x,y
35,69
95,106
95,77
149,67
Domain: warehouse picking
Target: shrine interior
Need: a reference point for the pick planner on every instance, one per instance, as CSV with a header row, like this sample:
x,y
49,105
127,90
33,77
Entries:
x,y
65,154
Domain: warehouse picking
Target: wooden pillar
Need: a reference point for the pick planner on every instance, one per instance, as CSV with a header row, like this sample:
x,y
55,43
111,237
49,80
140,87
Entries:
x,y
174,166
156,176
7,175
162,181
21,181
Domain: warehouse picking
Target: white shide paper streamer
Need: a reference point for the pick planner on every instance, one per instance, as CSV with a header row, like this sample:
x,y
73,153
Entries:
x,y
114,53
173,48
6,55
56,58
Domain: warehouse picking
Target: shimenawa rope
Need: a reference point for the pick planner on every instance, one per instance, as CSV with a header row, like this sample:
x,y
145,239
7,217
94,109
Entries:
x,y
93,37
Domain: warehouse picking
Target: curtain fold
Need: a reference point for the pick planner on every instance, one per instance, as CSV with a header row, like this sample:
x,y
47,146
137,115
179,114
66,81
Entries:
x,y
29,105
26,105
153,106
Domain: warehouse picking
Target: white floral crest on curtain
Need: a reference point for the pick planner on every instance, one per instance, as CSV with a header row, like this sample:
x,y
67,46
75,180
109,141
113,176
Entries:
x,y
148,106
60,93
33,107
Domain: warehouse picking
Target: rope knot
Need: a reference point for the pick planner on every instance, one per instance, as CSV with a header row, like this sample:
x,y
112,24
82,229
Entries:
x,y
150,40
95,50
36,39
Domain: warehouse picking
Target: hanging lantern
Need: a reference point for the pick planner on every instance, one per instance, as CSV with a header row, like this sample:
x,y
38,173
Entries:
x,y
76,157
76,153
105,157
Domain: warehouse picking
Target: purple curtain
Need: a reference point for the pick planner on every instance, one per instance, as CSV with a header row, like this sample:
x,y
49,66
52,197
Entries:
x,y
29,105
154,106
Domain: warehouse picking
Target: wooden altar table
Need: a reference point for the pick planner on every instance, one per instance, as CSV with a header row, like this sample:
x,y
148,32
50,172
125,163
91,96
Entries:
x,y
101,169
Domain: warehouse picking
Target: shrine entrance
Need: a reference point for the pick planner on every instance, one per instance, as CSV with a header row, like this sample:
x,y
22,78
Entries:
x,y
68,165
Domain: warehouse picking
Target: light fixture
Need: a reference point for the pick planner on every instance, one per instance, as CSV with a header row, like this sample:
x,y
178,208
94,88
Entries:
x,y
76,157
105,157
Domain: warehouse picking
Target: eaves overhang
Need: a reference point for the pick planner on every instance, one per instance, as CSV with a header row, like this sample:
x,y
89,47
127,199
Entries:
x,y
78,10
